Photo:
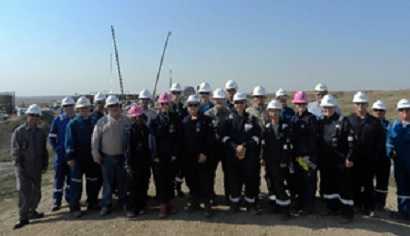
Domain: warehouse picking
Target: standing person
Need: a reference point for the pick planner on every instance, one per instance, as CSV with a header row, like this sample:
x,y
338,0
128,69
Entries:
x,y
219,114
99,107
178,107
145,100
287,112
336,159
79,158
56,139
383,163
197,137
304,126
277,150
370,145
137,163
258,108
398,148
29,152
314,107
165,137
109,140
205,96
241,136
231,87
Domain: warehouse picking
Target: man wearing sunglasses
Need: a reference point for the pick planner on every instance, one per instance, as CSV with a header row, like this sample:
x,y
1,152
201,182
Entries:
x,y
197,136
231,87
205,94
383,163
29,151
108,148
398,148
314,107
370,136
56,138
241,136
177,107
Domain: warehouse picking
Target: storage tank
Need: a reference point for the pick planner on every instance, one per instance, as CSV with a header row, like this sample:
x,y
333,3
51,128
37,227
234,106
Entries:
x,y
7,102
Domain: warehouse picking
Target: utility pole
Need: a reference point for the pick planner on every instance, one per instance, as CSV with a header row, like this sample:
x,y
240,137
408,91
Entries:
x,y
160,65
117,58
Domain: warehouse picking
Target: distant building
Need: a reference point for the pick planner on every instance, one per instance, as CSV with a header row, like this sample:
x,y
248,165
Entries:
x,y
7,102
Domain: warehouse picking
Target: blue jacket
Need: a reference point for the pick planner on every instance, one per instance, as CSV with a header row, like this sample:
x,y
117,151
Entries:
x,y
398,141
56,137
204,107
287,114
78,139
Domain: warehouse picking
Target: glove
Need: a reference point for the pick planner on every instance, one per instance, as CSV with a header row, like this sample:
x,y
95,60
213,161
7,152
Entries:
x,y
130,173
302,163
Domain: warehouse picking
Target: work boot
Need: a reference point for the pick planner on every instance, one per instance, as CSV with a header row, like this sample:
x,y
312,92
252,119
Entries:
x,y
234,208
55,208
77,214
163,211
130,214
21,224
208,210
171,209
192,206
105,211
35,215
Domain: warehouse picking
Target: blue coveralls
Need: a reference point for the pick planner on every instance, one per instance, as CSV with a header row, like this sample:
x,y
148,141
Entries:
x,y
398,142
78,148
56,139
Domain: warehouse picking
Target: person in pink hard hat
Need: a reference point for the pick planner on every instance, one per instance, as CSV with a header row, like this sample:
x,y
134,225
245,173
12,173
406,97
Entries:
x,y
304,127
137,163
164,137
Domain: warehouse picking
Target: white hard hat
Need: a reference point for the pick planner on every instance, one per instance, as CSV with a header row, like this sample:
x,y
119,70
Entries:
x,y
239,96
175,87
218,94
281,92
360,97
230,84
112,100
275,105
33,109
259,91
204,87
145,94
403,104
379,105
328,101
320,87
99,97
82,102
193,99
67,101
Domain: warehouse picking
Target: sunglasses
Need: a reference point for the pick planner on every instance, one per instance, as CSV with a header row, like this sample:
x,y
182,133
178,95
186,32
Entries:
x,y
176,93
67,106
113,106
193,105
34,115
404,110
378,110
163,103
239,102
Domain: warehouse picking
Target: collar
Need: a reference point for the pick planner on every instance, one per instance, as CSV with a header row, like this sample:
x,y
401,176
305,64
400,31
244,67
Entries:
x,y
405,124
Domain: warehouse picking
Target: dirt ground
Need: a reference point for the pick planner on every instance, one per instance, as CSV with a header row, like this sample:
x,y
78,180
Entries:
x,y
222,223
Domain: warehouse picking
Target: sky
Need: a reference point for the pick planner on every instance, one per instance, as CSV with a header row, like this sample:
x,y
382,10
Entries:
x,y
63,47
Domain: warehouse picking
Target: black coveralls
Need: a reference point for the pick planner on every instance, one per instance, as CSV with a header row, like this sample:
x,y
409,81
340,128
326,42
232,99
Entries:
x,y
383,165
137,164
277,150
242,130
336,146
164,141
305,140
179,178
370,145
197,138
218,152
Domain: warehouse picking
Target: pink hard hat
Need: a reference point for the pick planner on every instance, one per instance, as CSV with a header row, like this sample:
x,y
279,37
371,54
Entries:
x,y
164,97
135,111
300,97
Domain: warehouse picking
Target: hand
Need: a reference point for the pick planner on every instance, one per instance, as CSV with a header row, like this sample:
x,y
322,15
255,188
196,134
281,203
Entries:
x,y
44,170
262,162
283,165
202,158
349,164
240,152
173,158
130,173
71,163
98,160
156,160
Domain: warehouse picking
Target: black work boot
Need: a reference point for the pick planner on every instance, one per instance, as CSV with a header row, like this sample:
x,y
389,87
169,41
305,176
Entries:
x,y
21,224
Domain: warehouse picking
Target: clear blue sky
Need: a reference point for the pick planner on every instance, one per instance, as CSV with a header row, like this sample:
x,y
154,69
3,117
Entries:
x,y
62,47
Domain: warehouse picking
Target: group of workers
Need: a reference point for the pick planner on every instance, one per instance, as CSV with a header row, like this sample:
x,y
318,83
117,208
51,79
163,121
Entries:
x,y
310,149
